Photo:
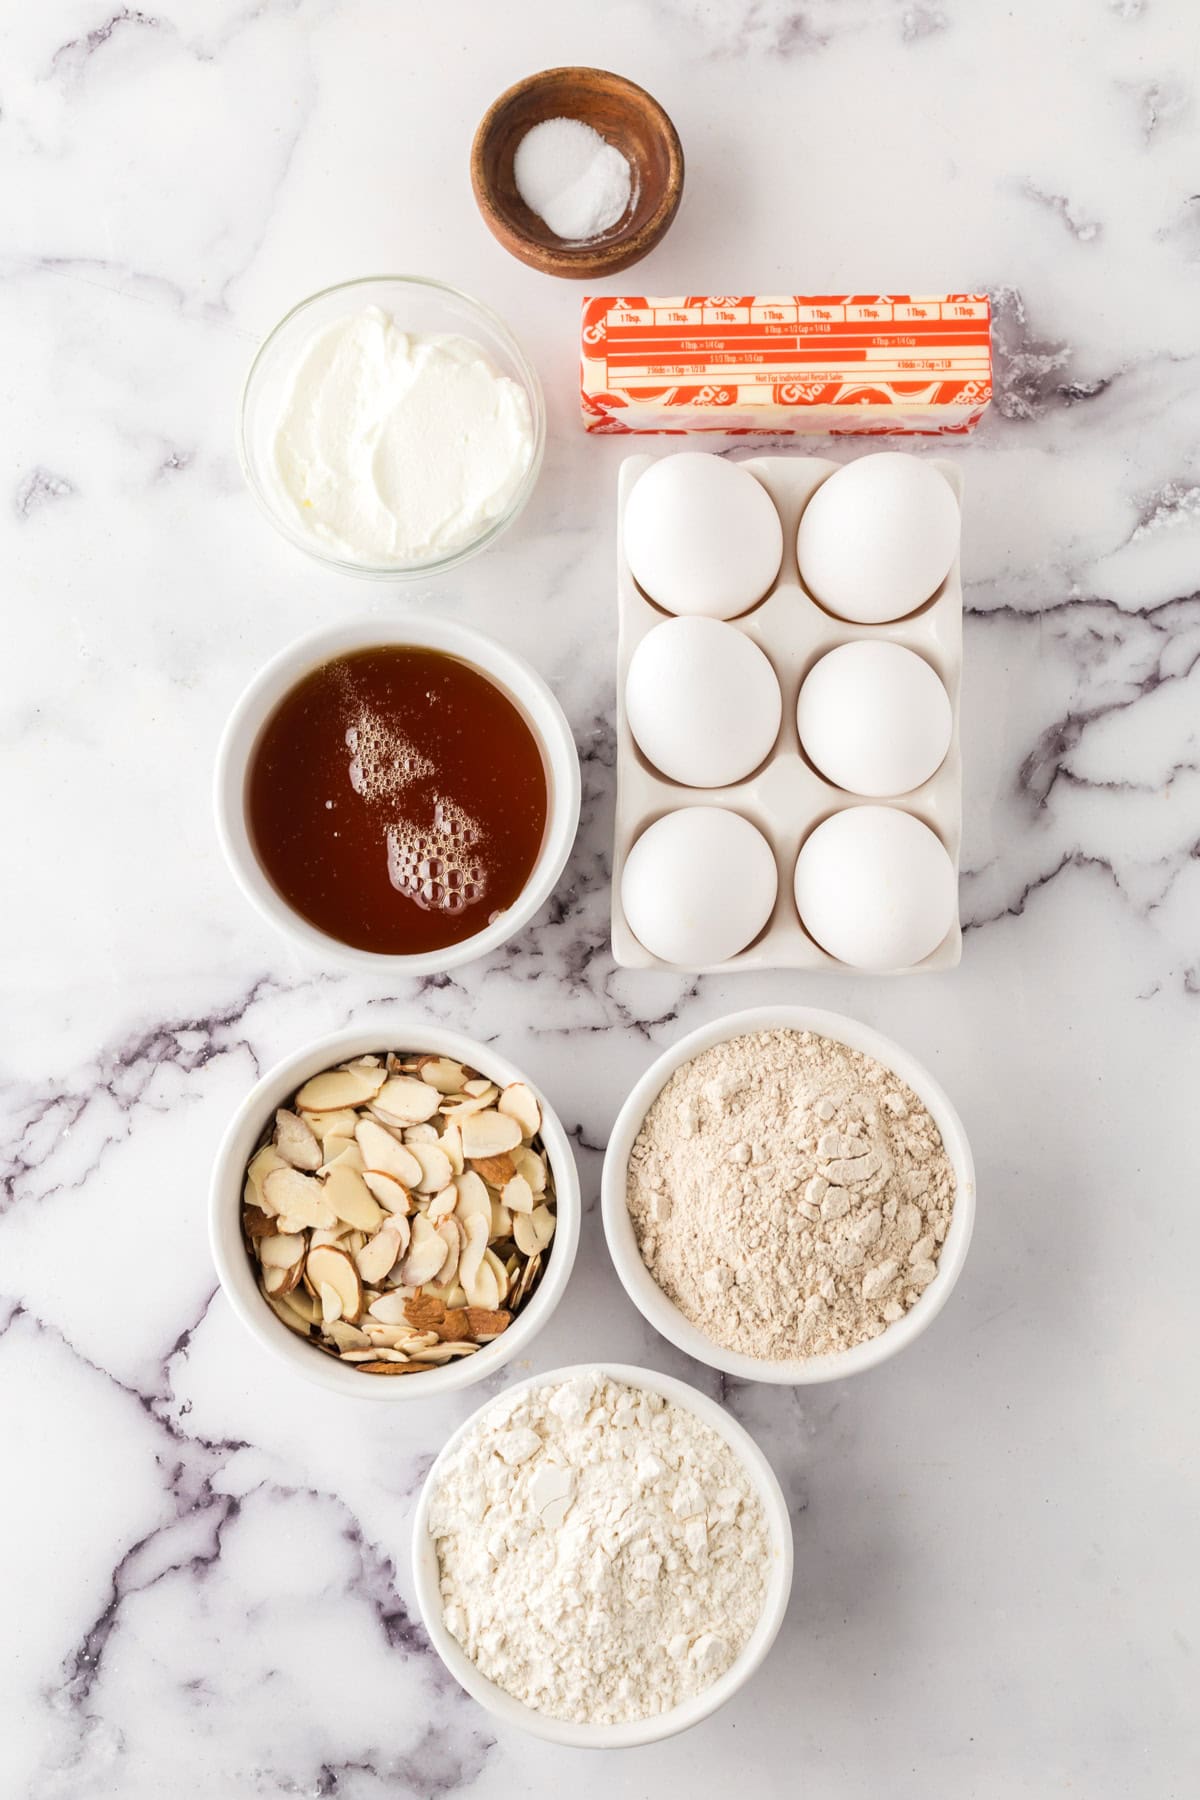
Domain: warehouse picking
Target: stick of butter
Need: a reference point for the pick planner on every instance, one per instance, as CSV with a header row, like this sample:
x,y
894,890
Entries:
x,y
834,364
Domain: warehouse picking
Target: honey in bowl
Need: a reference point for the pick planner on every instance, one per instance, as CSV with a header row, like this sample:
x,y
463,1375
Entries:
x,y
397,800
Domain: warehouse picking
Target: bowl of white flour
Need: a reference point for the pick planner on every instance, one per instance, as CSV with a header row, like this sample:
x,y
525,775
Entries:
x,y
788,1196
602,1556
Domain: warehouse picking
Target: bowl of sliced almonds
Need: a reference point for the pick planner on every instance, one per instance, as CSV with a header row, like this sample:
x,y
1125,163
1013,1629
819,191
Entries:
x,y
394,1203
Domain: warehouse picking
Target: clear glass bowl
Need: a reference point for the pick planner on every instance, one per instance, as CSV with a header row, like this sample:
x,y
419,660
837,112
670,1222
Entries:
x,y
417,305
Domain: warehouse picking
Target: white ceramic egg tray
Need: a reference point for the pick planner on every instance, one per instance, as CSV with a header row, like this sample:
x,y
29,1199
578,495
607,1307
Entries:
x,y
785,797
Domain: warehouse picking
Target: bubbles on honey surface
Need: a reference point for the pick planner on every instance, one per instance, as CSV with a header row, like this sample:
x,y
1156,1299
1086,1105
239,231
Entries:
x,y
439,864
383,761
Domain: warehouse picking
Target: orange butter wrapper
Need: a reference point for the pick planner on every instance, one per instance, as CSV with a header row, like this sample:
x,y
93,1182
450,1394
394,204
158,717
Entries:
x,y
829,364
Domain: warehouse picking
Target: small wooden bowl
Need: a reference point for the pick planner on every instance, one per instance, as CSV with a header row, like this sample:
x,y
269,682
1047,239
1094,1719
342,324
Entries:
x,y
629,119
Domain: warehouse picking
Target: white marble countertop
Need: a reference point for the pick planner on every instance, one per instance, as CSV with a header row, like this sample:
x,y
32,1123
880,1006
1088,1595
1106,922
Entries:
x,y
204,1566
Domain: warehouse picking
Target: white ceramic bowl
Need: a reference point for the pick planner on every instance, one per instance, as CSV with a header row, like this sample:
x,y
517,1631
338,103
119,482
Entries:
x,y
666,1317
417,305
690,1712
523,686
406,1031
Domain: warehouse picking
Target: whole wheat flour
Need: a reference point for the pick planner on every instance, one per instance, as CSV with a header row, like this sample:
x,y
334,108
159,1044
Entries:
x,y
602,1552
790,1195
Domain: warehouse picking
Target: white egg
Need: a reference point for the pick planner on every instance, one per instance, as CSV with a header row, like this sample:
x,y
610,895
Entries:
x,y
698,886
878,538
703,702
702,535
874,718
875,888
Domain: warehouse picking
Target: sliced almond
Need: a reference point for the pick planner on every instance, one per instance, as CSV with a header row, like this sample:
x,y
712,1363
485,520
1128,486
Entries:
x,y
295,1142
405,1101
288,1316
385,1153
331,1304
435,1167
334,1235
303,1305
451,1232
545,1224
517,1195
379,1255
479,1085
461,1106
483,1289
351,1198
348,1337
443,1073
299,1198
453,1327
342,1151
388,1310
442,1205
340,1088
391,1368
451,1143
487,1322
424,1312
329,1267
256,1223
264,1162
534,1230
325,1125
496,1169
520,1103
501,1221
532,1167
280,1251
427,1252
473,1197
489,1134
391,1194
517,1294
402,1337
421,1134
498,1269
475,1234
525,1233
439,1353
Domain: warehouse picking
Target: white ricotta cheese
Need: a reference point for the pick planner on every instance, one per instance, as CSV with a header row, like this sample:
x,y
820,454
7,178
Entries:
x,y
395,448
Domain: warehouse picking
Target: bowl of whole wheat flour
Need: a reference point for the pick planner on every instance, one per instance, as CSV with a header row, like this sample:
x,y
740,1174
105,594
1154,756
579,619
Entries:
x,y
602,1556
788,1196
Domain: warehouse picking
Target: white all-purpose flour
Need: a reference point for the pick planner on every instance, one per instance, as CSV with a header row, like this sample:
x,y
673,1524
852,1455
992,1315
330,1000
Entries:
x,y
603,1555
